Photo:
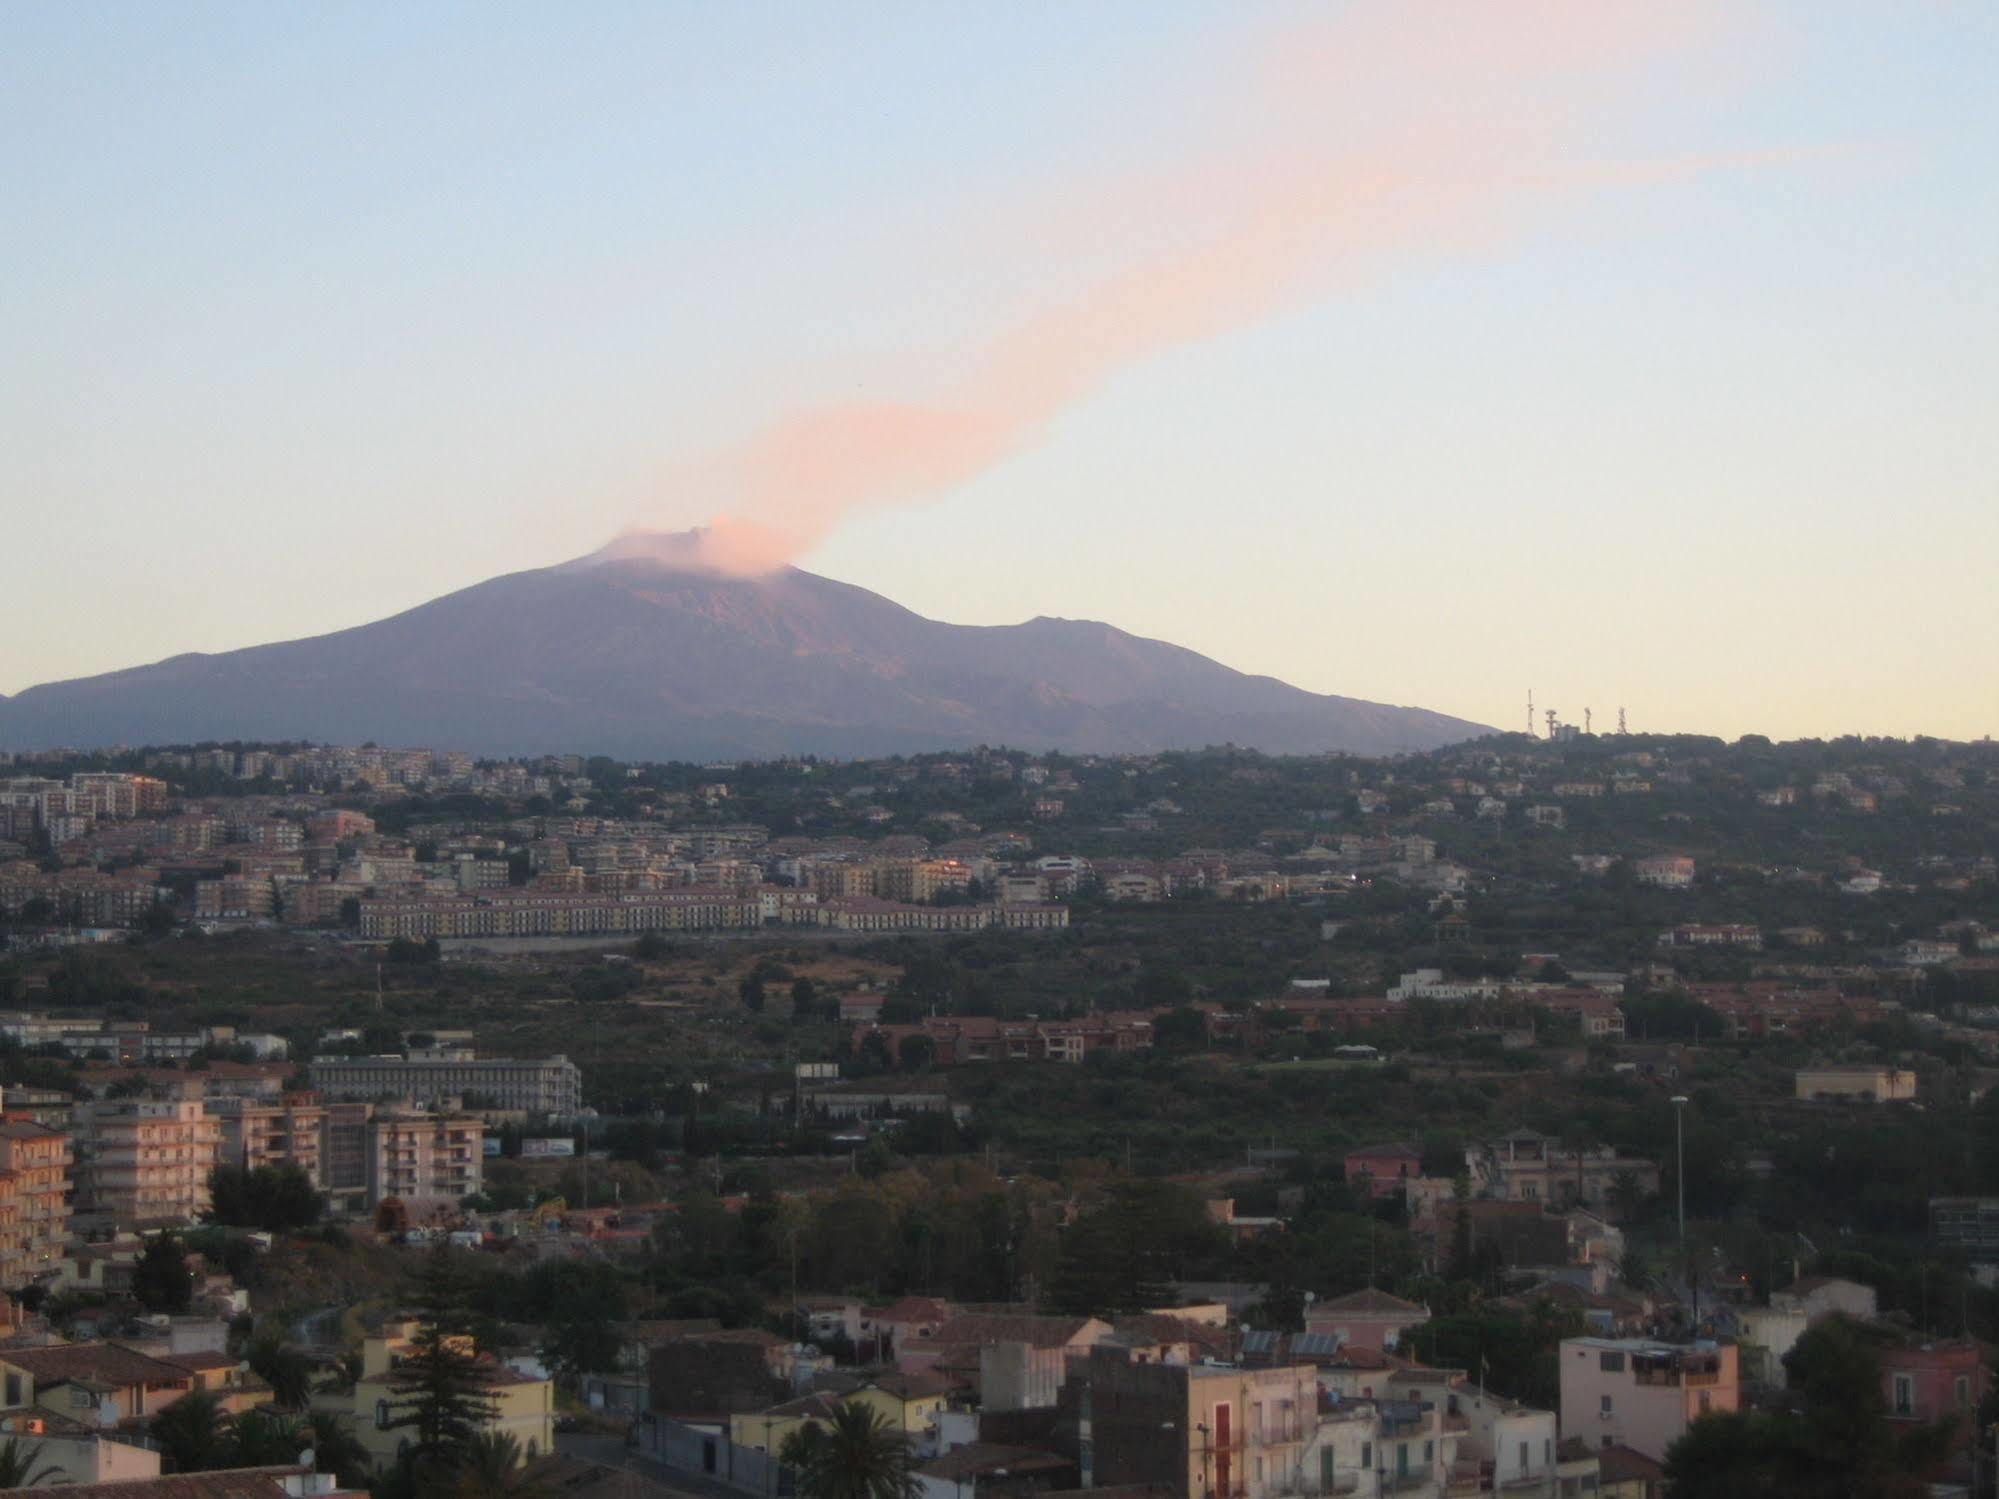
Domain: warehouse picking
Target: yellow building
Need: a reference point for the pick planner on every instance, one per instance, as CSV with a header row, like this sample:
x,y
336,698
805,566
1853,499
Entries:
x,y
909,1403
524,1407
1857,1084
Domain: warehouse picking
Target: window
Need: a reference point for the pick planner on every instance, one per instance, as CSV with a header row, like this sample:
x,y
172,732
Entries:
x,y
14,1389
1429,1452
1610,1363
1326,1475
1608,1406
381,1415
1705,1402
1963,1392
1905,1395
1367,1454
1523,1457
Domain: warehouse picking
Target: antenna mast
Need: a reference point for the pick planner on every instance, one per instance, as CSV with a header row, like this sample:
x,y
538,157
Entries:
x,y
1530,712
1551,723
1620,721
1586,728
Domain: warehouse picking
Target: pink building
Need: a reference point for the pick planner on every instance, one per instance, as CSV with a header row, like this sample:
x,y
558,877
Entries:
x,y
1938,1381
1641,1394
1366,1319
1385,1166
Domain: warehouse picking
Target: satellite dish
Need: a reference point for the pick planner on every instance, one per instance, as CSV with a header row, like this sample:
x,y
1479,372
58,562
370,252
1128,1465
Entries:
x,y
305,1458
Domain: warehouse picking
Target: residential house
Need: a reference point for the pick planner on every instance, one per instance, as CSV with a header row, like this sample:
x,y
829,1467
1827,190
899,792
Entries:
x,y
1199,1429
523,1407
1643,1394
1366,1319
1385,1166
97,1383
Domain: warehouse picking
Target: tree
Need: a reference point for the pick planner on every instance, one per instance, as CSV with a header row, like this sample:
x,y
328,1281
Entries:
x,y
161,1280
861,1456
752,991
440,1393
277,1199
338,1451
287,1371
268,1439
492,1468
195,1434
804,998
18,1469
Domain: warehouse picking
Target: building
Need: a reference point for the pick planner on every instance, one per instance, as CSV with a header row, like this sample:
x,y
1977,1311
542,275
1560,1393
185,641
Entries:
x,y
1386,1167
34,1200
1201,1429
1366,1319
550,1085
1856,1084
1971,1223
429,1161
145,1161
1642,1394
1668,871
258,1132
523,1407
1940,1380
75,1446
1529,1167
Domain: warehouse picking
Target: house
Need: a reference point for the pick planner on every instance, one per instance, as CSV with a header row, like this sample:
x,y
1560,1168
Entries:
x,y
76,1447
288,1482
887,1328
1626,1473
1529,1167
1384,1166
1856,1084
1820,1296
1939,1380
954,1349
523,1407
1643,1394
97,1383
1366,1319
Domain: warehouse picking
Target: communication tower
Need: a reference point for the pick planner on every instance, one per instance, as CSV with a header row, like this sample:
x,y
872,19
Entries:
x,y
1551,723
1586,727
1620,721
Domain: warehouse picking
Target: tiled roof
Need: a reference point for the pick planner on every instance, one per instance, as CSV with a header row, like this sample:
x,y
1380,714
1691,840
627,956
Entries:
x,y
980,1328
226,1483
210,1359
106,1362
1367,1301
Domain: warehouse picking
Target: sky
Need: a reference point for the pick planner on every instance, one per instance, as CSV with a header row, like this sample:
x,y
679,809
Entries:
x,y
1644,355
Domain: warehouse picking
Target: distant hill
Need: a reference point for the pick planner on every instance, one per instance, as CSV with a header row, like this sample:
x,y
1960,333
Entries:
x,y
636,652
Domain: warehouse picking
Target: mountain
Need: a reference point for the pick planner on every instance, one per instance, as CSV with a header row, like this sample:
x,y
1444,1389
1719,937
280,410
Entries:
x,y
641,652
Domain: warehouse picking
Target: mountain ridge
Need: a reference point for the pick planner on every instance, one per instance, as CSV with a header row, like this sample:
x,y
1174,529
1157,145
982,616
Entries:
x,y
646,653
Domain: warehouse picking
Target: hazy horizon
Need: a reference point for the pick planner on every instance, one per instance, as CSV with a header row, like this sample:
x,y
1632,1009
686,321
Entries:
x,y
1639,355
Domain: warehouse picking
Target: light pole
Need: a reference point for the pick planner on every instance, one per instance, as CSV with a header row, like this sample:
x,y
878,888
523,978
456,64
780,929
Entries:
x,y
1680,1182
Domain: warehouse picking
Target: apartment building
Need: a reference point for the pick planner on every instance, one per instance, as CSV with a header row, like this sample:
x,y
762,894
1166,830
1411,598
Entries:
x,y
548,1085
517,1405
541,914
257,1132
1641,1394
34,1199
145,1161
1201,1429
428,1161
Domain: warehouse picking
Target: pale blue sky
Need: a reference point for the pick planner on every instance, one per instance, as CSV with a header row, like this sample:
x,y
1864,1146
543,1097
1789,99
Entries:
x,y
311,314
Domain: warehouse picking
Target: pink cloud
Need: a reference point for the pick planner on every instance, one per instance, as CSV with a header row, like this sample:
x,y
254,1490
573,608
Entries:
x,y
1338,153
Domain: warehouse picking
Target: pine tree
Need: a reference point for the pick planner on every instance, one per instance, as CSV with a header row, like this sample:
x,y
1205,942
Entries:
x,y
441,1392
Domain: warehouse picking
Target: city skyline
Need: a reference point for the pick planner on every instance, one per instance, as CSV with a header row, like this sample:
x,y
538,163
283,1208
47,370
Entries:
x,y
1632,354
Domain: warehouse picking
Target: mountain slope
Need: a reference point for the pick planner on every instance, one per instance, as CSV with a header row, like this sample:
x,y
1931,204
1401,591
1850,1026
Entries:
x,y
639,654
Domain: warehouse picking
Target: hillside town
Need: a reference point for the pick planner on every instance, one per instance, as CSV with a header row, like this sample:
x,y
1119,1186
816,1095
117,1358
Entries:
x,y
1507,1119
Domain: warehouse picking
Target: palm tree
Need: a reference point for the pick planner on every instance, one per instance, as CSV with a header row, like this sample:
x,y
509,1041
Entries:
x,y
492,1467
338,1451
269,1439
18,1470
283,1368
195,1433
859,1456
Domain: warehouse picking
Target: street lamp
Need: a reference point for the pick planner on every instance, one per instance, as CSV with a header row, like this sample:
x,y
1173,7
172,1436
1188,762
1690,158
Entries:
x,y
1680,1182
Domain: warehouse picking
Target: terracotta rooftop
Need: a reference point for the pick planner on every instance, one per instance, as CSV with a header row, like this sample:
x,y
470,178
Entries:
x,y
1367,1301
107,1363
225,1483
